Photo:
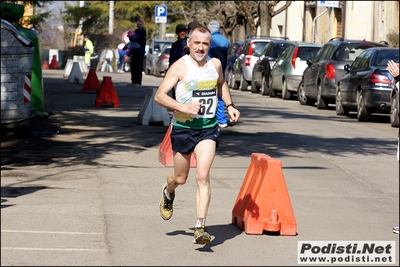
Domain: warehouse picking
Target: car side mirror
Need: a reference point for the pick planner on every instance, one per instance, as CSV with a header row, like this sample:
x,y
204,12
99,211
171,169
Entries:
x,y
347,67
308,61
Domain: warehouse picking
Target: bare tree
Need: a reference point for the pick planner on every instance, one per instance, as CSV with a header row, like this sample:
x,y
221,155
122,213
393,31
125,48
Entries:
x,y
267,12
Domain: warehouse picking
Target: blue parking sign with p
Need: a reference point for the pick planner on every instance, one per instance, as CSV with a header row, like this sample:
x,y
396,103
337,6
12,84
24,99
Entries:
x,y
161,14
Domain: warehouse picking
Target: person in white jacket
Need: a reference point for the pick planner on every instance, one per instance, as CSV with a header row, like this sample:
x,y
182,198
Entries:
x,y
108,61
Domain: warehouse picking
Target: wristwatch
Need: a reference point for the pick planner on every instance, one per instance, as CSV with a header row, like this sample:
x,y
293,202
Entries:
x,y
230,105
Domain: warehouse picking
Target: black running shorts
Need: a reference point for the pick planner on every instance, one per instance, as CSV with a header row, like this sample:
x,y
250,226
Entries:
x,y
185,140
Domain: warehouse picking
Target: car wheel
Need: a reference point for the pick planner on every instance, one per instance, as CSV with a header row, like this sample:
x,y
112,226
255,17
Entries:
x,y
264,86
243,83
230,79
235,84
340,110
362,112
320,101
394,112
301,96
271,89
254,88
285,92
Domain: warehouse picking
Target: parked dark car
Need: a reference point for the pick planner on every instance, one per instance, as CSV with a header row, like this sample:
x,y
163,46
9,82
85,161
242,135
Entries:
x,y
366,86
232,56
394,105
248,56
326,68
286,73
161,62
261,70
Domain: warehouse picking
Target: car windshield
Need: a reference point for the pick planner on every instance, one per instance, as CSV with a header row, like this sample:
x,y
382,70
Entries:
x,y
159,45
167,50
305,53
349,52
385,55
258,47
278,49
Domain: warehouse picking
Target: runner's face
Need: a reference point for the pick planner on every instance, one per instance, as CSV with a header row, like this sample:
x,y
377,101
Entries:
x,y
199,44
139,25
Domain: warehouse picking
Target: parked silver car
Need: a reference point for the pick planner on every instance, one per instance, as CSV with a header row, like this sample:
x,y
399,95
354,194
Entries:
x,y
155,49
289,67
249,54
161,63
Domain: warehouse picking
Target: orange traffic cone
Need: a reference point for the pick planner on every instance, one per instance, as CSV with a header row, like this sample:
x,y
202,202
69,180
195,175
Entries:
x,y
107,94
165,151
263,201
91,82
53,63
45,65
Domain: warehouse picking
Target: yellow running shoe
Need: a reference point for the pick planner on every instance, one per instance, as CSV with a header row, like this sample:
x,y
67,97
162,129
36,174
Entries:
x,y
166,208
201,236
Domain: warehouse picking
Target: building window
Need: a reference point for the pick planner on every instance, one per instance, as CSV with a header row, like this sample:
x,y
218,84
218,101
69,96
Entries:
x,y
280,30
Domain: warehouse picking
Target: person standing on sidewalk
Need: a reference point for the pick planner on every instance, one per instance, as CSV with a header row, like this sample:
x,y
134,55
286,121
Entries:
x,y
393,69
219,49
88,49
136,63
178,47
121,58
198,79
108,61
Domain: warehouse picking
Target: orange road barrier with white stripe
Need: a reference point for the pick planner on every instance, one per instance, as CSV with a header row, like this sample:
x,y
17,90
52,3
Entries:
x,y
165,155
263,202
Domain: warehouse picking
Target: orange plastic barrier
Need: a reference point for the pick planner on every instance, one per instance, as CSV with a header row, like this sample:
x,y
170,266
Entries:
x,y
165,151
263,201
45,65
107,94
91,82
53,63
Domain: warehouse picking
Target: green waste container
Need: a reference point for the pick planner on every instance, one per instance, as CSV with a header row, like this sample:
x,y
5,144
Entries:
x,y
37,98
16,68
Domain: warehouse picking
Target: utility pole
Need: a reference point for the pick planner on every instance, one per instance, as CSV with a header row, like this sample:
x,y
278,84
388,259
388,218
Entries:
x,y
78,32
162,27
111,18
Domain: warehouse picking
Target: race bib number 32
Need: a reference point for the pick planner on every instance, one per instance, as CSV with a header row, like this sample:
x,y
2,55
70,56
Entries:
x,y
208,100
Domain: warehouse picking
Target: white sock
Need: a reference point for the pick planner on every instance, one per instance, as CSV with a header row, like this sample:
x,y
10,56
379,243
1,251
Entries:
x,y
168,195
200,222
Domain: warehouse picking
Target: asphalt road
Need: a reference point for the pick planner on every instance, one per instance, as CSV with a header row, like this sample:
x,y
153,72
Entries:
x,y
82,186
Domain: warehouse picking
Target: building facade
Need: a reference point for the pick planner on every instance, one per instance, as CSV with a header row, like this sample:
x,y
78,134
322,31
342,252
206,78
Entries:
x,y
311,22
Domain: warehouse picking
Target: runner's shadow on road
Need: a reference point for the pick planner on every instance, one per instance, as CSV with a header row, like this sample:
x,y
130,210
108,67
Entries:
x,y
219,233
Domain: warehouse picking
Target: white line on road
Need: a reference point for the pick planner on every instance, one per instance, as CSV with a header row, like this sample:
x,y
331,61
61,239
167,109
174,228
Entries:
x,y
55,249
49,232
